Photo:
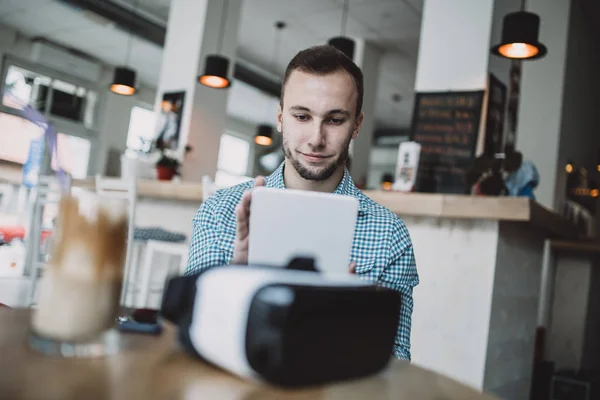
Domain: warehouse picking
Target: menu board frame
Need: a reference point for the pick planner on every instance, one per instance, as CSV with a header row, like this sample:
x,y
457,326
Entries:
x,y
448,129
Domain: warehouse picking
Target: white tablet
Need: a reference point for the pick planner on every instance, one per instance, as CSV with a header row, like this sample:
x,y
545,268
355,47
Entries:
x,y
286,223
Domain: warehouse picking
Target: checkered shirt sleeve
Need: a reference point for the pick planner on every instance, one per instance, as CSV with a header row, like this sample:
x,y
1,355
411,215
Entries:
x,y
205,249
401,275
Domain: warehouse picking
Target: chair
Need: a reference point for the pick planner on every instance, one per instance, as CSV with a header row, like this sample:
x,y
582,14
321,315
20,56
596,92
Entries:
x,y
127,190
209,187
46,192
154,247
146,242
7,193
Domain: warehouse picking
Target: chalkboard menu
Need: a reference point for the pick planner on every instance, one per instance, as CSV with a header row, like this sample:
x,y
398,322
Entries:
x,y
446,125
494,124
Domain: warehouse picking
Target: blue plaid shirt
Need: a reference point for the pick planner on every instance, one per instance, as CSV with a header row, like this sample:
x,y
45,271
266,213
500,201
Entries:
x,y
381,248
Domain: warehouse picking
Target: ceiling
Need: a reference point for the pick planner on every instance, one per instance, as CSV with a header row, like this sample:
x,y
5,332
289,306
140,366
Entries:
x,y
392,25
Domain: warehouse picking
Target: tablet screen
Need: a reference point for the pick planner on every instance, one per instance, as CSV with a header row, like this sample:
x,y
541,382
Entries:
x,y
287,223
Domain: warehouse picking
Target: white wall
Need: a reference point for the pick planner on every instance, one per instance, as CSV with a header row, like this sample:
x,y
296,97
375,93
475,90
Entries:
x,y
368,58
540,109
192,34
115,114
13,43
246,130
383,160
454,44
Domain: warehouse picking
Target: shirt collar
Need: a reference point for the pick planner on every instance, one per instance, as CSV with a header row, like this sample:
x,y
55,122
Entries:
x,y
346,186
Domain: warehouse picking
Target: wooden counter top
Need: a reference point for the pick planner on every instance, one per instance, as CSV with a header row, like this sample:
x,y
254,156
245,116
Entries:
x,y
167,190
154,367
517,209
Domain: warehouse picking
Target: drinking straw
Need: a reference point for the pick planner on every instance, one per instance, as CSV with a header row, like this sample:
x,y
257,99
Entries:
x,y
37,118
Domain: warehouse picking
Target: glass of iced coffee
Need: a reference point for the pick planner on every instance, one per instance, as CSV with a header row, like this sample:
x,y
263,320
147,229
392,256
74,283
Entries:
x,y
80,286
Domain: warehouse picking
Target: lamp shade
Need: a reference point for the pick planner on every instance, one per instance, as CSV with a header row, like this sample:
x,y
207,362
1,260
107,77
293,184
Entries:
x,y
387,180
123,81
520,32
215,72
264,135
343,44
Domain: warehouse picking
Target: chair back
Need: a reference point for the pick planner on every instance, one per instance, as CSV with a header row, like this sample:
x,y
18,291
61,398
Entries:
x,y
209,187
46,192
122,189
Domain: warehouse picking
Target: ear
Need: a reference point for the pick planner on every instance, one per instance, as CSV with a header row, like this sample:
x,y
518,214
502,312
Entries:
x,y
358,124
279,115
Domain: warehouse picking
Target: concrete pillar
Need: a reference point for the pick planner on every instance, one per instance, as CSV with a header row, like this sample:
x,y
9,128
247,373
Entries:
x,y
454,52
368,57
454,45
193,32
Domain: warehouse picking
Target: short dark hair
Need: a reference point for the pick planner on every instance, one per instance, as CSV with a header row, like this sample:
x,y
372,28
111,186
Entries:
x,y
323,60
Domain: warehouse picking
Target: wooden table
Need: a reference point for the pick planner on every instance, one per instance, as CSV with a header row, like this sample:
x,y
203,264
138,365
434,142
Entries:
x,y
153,367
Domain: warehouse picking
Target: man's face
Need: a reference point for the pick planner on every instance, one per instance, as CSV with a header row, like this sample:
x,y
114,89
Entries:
x,y
318,121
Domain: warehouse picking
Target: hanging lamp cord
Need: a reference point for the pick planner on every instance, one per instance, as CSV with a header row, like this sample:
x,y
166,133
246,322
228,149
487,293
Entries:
x,y
276,44
130,41
223,21
279,25
344,18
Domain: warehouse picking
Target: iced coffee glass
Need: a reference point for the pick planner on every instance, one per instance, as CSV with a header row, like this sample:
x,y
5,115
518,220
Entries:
x,y
80,286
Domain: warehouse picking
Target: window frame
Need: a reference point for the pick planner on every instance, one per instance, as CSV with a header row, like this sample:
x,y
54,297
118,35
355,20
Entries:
x,y
60,125
139,104
251,151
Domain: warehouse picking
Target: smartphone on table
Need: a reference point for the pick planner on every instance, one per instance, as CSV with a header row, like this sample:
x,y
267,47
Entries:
x,y
141,320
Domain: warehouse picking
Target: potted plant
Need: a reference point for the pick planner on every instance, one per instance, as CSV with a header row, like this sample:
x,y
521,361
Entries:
x,y
167,167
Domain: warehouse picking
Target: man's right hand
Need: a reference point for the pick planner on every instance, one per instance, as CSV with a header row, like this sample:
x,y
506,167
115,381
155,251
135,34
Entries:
x,y
242,234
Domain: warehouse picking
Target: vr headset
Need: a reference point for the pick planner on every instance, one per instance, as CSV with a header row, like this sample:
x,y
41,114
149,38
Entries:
x,y
287,326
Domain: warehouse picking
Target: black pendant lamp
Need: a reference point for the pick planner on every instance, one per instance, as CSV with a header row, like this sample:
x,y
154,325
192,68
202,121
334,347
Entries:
x,y
343,43
264,135
264,132
387,180
123,82
216,66
520,31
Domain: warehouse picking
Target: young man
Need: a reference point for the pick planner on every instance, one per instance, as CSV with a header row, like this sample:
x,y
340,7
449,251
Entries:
x,y
319,114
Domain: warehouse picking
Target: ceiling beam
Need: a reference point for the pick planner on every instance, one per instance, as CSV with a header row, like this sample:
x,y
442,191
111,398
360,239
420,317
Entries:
x,y
145,29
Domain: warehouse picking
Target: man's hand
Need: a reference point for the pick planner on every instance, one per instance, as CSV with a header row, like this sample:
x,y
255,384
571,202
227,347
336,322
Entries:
x,y
352,267
242,234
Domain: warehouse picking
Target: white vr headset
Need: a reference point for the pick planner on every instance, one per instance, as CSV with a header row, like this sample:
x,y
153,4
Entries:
x,y
288,326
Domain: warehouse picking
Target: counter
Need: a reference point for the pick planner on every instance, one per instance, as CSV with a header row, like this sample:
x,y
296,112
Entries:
x,y
516,209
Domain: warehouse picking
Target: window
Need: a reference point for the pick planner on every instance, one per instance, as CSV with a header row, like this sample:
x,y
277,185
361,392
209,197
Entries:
x,y
73,155
70,105
16,135
66,100
141,129
232,165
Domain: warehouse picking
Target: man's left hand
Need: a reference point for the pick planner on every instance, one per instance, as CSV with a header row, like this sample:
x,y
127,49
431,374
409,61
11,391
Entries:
x,y
352,267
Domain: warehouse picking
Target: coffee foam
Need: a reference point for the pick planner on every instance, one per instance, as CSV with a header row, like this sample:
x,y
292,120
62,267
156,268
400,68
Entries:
x,y
92,205
91,238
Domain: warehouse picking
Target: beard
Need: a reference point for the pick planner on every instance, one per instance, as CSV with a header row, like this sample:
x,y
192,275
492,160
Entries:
x,y
320,173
